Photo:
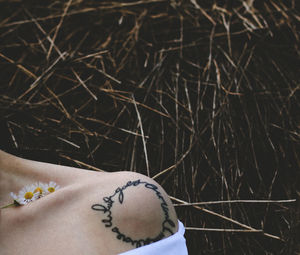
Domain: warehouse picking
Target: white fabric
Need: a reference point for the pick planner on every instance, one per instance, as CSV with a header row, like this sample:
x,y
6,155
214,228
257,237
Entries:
x,y
174,244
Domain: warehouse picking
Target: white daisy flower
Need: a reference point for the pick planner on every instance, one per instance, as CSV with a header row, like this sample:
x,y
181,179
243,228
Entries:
x,y
51,187
26,195
40,188
14,196
32,192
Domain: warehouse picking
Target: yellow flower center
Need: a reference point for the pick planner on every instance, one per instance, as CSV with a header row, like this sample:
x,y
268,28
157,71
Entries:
x,y
51,189
28,195
38,189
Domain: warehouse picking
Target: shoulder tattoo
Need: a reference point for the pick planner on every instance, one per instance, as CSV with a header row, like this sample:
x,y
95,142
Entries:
x,y
118,196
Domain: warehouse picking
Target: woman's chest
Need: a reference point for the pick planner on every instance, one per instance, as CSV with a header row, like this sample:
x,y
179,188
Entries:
x,y
60,233
63,223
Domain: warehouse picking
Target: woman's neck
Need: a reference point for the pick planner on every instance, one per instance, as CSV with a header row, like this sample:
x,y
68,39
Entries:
x,y
15,173
12,176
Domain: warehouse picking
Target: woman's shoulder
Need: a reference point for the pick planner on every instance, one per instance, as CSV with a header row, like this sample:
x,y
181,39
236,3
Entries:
x,y
133,209
105,213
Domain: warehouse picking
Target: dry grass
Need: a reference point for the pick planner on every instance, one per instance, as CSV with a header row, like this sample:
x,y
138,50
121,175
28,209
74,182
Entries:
x,y
200,95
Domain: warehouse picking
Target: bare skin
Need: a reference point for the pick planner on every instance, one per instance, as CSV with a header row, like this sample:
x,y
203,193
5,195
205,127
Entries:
x,y
69,221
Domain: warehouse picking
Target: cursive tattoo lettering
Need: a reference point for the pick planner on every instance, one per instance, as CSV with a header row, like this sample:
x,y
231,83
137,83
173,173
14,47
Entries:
x,y
118,196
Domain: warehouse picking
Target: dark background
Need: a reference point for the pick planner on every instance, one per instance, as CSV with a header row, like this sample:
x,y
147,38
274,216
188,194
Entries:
x,y
202,96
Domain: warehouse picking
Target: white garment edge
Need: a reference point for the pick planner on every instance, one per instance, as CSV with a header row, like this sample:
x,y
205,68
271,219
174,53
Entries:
x,y
174,244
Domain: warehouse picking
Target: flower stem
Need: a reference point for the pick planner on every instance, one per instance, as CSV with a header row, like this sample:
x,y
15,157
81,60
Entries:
x,y
15,203
6,206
